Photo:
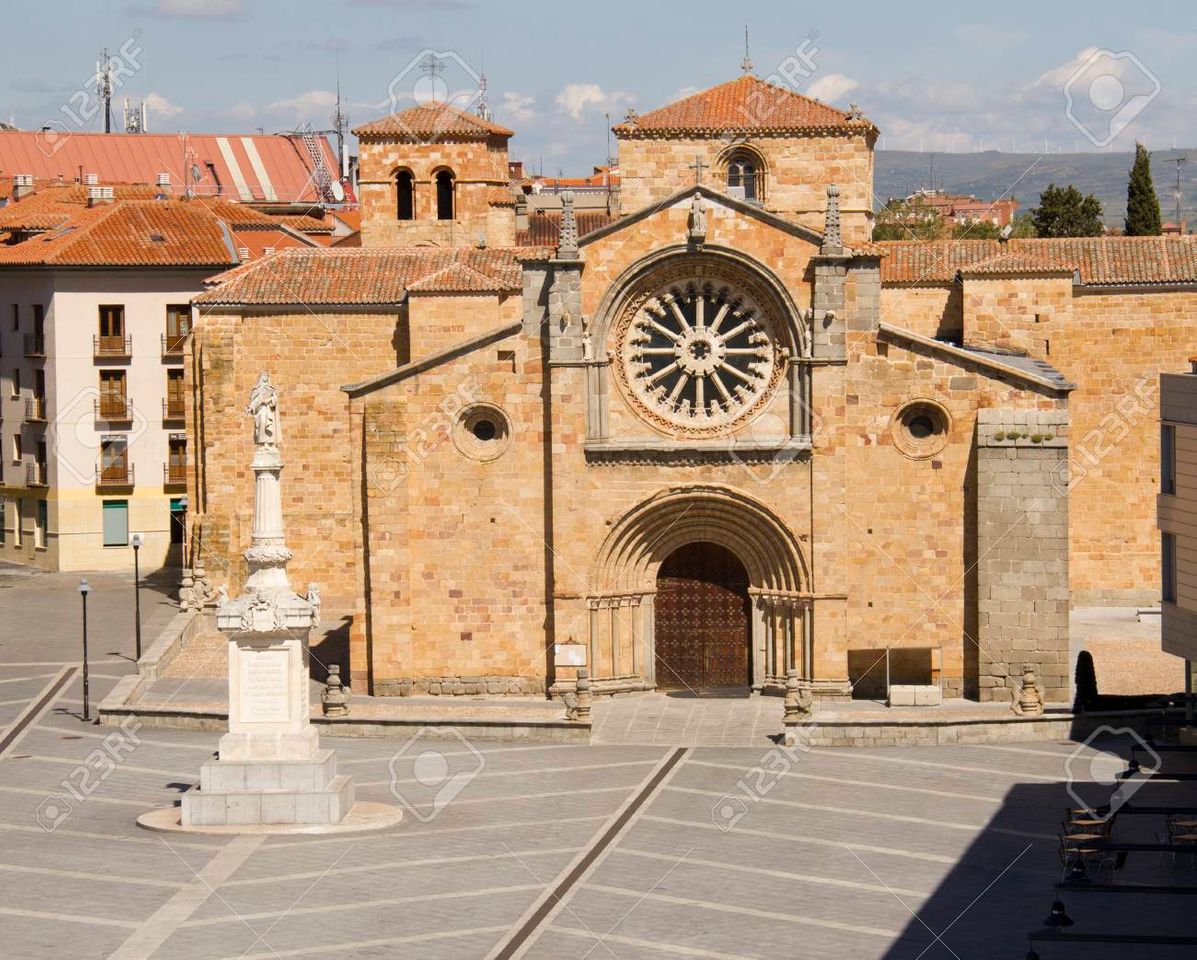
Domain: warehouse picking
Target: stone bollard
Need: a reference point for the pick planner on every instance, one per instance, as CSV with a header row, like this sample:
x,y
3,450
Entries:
x,y
1027,695
798,702
334,699
585,698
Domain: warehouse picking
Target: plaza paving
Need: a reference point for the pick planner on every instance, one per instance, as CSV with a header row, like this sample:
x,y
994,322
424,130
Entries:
x,y
544,851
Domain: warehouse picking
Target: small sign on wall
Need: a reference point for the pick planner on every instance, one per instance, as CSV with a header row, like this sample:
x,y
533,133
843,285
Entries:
x,y
569,654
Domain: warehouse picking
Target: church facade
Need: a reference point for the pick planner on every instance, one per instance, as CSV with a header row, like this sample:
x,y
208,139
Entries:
x,y
719,437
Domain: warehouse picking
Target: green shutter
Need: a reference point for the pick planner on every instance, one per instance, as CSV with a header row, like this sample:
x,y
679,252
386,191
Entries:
x,y
116,523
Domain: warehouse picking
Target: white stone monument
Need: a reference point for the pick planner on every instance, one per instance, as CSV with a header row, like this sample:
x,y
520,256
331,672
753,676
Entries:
x,y
270,773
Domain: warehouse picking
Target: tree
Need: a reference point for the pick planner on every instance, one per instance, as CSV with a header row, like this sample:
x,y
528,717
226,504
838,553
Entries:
x,y
1066,212
1023,225
1142,205
976,230
908,220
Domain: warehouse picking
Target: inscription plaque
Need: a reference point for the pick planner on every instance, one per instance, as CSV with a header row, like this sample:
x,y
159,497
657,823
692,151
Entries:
x,y
265,685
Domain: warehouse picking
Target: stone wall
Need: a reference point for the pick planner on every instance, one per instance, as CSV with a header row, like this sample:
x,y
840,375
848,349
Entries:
x,y
1022,551
797,172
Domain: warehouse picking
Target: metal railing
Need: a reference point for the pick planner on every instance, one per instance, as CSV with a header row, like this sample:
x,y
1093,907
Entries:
x,y
35,346
114,408
114,474
174,474
113,346
35,410
173,409
172,344
35,474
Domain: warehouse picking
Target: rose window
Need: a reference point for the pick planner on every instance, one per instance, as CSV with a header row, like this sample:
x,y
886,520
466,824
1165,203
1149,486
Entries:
x,y
699,357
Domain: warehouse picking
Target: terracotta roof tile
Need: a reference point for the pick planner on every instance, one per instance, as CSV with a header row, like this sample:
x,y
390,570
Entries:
x,y
133,233
432,121
747,103
54,204
1015,262
306,224
544,227
1098,260
370,275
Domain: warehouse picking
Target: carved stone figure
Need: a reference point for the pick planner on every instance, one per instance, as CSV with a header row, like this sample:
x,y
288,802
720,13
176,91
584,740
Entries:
x,y
698,220
313,598
587,339
263,407
1027,694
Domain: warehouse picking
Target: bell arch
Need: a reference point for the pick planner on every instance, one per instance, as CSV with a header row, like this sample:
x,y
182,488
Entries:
x,y
623,585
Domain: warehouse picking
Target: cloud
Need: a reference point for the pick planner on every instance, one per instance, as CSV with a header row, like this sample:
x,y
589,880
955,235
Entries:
x,y
578,98
243,111
191,9
313,105
831,86
160,108
517,108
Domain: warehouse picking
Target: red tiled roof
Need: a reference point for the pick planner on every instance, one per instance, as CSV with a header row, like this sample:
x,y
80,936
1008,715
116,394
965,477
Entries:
x,y
544,226
746,103
133,233
432,121
370,275
306,224
1098,260
1016,261
227,165
53,205
349,240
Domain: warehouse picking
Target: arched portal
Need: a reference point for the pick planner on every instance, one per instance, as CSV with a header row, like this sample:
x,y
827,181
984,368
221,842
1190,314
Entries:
x,y
703,620
752,554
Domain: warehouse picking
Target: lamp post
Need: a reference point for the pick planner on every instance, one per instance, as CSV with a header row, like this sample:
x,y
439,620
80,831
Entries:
x,y
137,592
83,591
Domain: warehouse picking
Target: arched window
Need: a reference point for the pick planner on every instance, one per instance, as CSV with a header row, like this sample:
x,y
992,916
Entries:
x,y
444,195
743,173
405,195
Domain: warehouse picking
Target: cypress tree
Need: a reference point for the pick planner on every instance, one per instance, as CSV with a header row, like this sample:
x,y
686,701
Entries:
x,y
1142,207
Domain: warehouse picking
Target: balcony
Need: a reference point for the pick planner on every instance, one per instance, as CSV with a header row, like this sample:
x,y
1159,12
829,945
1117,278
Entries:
x,y
114,475
172,346
35,410
35,346
35,474
174,409
174,474
114,409
112,348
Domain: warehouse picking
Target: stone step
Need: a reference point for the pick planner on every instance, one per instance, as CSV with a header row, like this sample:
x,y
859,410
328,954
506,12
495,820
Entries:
x,y
232,776
325,806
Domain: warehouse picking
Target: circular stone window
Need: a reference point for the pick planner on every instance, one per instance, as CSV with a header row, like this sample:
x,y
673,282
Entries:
x,y
920,429
482,432
698,349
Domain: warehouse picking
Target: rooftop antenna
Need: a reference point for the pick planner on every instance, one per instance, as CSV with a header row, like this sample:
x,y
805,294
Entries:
x,y
1178,161
746,64
610,159
483,109
104,88
340,121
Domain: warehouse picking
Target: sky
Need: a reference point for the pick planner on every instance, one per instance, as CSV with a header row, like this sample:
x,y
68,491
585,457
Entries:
x,y
1016,76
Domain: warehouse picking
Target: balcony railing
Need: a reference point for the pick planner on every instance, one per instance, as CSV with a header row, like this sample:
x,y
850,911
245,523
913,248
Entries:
x,y
173,409
35,410
114,474
174,474
114,408
108,348
35,474
172,345
35,346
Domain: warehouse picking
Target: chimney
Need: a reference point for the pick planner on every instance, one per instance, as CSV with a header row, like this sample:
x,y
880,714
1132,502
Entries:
x,y
98,195
22,185
163,180
91,179
243,254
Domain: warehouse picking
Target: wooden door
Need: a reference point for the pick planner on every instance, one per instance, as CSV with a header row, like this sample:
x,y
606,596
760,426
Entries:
x,y
702,620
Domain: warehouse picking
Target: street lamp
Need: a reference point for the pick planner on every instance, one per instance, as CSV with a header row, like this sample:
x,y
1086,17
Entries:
x,y
137,592
83,591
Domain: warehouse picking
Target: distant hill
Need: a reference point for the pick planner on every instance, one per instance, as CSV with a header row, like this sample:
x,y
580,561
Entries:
x,y
991,174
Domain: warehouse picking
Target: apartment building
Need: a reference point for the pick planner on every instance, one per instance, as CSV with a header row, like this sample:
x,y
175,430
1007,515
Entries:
x,y
95,292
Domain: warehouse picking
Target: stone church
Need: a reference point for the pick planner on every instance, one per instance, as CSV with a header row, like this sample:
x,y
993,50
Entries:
x,y
710,437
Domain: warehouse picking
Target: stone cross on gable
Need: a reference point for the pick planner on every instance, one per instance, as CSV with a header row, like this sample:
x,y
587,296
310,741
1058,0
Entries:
x,y
698,166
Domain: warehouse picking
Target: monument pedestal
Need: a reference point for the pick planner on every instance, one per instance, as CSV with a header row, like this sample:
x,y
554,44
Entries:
x,y
269,767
